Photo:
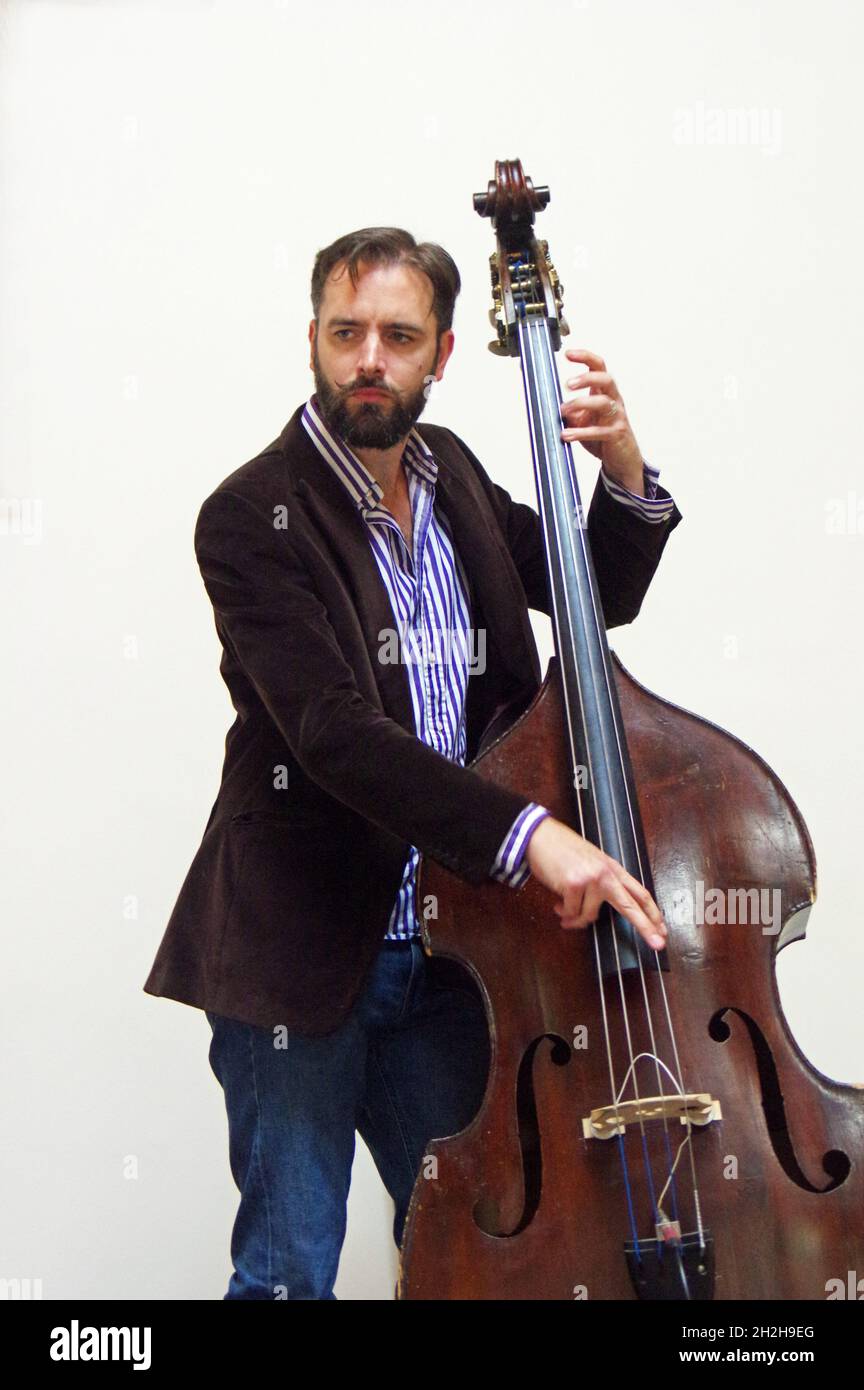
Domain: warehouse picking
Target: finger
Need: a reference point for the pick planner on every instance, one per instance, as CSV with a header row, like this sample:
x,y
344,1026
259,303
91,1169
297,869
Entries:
x,y
572,903
598,403
574,923
638,891
586,355
595,431
601,401
622,901
589,379
588,910
594,900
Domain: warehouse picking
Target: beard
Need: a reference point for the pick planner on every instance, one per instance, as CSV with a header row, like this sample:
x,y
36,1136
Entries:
x,y
368,424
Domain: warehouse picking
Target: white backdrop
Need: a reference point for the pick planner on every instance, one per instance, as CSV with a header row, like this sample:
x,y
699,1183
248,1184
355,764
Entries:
x,y
169,170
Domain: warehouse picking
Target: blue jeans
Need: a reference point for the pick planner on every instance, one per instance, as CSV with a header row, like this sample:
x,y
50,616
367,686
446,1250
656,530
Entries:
x,y
409,1064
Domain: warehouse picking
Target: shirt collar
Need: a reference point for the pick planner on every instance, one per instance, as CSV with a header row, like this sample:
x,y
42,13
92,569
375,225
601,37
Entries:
x,y
366,492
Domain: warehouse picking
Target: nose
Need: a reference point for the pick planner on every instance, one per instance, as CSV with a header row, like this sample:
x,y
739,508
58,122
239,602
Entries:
x,y
371,361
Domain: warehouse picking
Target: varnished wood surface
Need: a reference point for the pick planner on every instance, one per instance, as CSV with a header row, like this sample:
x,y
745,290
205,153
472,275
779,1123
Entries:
x,y
780,1177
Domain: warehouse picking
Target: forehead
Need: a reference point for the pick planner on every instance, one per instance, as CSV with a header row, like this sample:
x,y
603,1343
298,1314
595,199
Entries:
x,y
381,292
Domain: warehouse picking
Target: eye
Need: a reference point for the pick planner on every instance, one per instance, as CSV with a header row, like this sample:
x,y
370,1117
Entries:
x,y
339,331
402,337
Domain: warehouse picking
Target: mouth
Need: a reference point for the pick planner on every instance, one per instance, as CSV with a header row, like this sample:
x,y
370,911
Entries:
x,y
370,393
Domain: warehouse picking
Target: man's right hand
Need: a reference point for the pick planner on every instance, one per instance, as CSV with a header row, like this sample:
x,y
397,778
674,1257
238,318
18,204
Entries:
x,y
583,877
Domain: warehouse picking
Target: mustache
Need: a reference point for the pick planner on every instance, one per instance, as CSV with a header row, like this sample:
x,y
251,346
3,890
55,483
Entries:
x,y
361,385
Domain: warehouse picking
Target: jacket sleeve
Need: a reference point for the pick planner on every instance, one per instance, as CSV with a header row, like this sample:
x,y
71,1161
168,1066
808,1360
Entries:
x,y
269,615
625,547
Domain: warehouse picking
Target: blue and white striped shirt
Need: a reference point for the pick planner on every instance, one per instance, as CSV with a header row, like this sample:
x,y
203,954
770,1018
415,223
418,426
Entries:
x,y
429,593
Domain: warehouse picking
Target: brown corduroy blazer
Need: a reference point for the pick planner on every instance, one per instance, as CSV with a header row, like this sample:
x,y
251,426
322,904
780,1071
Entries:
x,y
325,785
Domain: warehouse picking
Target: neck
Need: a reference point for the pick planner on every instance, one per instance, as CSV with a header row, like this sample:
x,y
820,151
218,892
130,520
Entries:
x,y
385,465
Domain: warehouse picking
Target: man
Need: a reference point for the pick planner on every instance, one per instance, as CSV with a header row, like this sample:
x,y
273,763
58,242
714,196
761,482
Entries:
x,y
297,929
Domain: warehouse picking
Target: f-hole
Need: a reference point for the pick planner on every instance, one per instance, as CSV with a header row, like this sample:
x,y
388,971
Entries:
x,y
835,1163
487,1209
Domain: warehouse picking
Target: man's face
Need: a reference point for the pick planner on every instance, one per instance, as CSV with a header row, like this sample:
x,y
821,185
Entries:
x,y
375,353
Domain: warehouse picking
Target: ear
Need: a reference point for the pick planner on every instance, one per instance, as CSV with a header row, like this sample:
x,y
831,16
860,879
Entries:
x,y
311,341
447,341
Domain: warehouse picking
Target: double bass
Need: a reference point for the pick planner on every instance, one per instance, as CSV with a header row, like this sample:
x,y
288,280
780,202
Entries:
x,y
649,1129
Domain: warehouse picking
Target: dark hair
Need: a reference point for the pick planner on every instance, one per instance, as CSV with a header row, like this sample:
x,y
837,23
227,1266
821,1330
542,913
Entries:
x,y
391,246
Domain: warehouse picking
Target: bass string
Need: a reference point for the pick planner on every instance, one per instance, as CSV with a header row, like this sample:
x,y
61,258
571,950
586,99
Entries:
x,y
544,455
565,451
530,334
551,376
540,453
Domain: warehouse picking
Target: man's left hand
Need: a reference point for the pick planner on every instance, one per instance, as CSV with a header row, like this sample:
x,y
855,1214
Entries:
x,y
599,421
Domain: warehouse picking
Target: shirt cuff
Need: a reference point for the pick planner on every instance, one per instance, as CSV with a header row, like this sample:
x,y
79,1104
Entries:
x,y
511,866
649,507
